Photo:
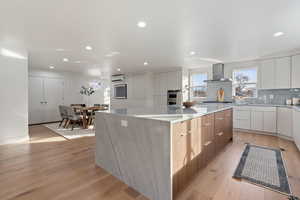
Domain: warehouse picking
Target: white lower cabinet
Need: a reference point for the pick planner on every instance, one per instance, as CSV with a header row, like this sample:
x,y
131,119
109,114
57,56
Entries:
x,y
270,121
255,118
296,128
241,117
285,122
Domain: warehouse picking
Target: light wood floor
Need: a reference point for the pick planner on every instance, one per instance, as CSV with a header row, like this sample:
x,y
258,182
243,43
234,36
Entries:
x,y
51,167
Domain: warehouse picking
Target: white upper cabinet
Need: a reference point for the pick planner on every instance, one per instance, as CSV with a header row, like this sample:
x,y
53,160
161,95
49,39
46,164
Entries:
x,y
276,73
285,122
283,72
295,71
267,74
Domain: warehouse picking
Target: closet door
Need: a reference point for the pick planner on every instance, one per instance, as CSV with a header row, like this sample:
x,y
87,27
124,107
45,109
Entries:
x,y
36,100
54,96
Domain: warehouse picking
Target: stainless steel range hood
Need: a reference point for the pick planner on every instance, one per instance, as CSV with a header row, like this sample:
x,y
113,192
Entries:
x,y
218,73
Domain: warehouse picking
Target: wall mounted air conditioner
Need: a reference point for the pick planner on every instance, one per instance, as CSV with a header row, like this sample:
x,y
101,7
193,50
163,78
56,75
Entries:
x,y
117,78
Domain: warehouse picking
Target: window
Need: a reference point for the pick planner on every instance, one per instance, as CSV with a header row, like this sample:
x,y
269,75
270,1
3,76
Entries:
x,y
244,82
197,85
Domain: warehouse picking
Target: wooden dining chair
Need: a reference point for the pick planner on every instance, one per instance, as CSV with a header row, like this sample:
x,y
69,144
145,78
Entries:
x,y
73,117
63,114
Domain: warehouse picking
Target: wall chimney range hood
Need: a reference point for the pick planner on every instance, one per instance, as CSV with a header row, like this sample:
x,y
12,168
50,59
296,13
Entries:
x,y
218,73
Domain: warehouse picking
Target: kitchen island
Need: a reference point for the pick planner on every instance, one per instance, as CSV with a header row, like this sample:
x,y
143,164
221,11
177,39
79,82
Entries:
x,y
158,150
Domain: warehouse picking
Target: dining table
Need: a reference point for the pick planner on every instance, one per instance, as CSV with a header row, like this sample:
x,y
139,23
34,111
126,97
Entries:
x,y
85,110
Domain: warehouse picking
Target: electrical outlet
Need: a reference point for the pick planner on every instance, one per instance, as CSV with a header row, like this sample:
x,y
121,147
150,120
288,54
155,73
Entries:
x,y
124,123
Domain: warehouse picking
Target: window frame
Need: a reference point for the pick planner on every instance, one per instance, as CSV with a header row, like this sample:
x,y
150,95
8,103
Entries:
x,y
248,83
191,86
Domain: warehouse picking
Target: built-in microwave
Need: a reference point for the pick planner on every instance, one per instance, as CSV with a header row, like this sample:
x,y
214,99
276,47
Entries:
x,y
120,91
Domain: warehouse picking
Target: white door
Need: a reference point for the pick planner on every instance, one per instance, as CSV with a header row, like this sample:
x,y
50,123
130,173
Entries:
x,y
54,96
268,74
36,100
285,122
283,72
296,71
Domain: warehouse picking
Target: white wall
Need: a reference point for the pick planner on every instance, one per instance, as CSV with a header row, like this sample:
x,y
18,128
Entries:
x,y
72,85
14,99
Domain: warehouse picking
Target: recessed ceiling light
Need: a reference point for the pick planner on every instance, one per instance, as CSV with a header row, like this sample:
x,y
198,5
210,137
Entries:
x,y
141,24
66,60
277,34
51,67
88,48
192,53
118,69
146,63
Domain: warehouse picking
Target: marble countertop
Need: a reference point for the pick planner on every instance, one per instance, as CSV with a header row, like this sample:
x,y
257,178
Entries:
x,y
171,114
295,107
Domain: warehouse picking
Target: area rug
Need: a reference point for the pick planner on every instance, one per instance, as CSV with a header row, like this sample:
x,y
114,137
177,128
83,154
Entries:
x,y
77,132
263,166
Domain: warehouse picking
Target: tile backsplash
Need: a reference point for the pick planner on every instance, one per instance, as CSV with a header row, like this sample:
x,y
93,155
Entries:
x,y
274,96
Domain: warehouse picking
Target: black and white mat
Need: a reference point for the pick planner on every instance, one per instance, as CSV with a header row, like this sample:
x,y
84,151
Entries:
x,y
263,166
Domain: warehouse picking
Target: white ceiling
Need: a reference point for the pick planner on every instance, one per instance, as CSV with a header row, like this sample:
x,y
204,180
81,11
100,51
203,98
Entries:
x,y
223,30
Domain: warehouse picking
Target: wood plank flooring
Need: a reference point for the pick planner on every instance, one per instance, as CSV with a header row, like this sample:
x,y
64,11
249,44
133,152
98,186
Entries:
x,y
50,167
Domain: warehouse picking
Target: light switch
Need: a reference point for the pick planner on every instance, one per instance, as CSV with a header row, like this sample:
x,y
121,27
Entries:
x,y
124,123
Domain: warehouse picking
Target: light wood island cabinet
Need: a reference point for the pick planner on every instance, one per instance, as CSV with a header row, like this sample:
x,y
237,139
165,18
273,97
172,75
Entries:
x,y
195,143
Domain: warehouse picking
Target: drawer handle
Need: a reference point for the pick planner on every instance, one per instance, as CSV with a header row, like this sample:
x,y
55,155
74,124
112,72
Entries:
x,y
221,133
220,118
207,143
182,134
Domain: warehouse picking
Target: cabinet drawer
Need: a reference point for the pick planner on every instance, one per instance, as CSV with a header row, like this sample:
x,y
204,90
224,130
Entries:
x,y
263,109
208,153
220,141
219,122
207,120
242,115
228,113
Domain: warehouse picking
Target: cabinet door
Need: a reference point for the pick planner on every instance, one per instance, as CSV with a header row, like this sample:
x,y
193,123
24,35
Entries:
x,y
228,124
296,128
283,73
179,156
295,71
267,74
242,118
54,96
257,120
36,100
220,131
193,147
285,121
270,122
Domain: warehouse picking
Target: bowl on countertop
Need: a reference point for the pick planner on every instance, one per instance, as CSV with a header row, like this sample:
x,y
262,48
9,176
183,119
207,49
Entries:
x,y
189,104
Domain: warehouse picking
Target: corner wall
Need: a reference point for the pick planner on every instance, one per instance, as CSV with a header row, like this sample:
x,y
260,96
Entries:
x,y
14,99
